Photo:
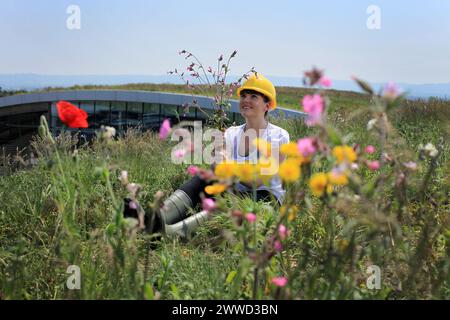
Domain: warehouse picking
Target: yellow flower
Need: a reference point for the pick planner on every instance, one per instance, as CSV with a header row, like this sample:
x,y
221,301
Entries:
x,y
263,146
289,170
216,188
337,178
318,183
266,168
225,170
290,210
344,154
246,172
290,149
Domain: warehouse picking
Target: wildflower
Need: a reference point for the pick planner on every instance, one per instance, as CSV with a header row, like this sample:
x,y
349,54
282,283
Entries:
x,y
133,205
337,178
225,170
374,165
263,146
371,124
209,204
318,183
391,91
123,178
192,170
246,172
165,129
216,188
282,231
306,146
289,170
72,116
107,133
410,165
251,217
429,149
266,168
290,149
277,246
180,153
279,281
325,82
344,154
313,106
290,210
370,149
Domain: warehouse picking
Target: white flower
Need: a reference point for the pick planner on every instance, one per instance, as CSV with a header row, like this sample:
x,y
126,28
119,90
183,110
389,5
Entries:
x,y
429,149
107,132
123,177
371,124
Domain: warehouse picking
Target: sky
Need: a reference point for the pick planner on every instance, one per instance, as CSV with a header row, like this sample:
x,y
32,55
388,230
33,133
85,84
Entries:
x,y
279,38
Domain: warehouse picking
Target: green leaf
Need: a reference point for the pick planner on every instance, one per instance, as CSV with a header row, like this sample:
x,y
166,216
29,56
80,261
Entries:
x,y
175,291
149,294
334,136
230,277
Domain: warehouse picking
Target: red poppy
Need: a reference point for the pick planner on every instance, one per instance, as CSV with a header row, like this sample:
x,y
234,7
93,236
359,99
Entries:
x,y
72,116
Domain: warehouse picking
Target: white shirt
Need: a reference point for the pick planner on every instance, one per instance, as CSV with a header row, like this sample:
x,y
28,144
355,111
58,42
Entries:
x,y
275,136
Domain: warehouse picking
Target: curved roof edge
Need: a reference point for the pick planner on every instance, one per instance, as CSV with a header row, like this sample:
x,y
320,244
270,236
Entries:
x,y
128,96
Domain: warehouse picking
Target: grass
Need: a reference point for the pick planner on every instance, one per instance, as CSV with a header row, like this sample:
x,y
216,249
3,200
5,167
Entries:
x,y
47,224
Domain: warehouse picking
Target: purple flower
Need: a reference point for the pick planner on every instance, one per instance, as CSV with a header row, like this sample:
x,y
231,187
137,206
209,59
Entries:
x,y
277,246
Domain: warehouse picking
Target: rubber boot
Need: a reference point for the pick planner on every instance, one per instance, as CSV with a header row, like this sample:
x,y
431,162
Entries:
x,y
174,209
186,227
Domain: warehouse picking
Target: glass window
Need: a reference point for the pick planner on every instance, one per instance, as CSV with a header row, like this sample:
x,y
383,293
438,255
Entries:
x,y
118,116
151,117
134,115
102,115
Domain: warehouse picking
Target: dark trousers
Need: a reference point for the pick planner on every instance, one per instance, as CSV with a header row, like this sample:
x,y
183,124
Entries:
x,y
196,185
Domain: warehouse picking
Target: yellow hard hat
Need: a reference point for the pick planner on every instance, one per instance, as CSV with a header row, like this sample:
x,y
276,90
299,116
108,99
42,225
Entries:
x,y
259,83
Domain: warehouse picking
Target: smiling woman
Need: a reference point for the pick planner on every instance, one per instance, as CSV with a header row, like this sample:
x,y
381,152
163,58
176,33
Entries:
x,y
257,98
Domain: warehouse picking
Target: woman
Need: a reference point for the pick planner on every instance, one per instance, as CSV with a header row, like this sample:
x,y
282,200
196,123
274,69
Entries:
x,y
257,98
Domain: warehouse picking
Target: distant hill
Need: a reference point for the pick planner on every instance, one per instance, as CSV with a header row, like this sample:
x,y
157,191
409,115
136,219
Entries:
x,y
36,81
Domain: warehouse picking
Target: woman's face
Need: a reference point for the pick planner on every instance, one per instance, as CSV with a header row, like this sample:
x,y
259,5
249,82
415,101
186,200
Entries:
x,y
252,105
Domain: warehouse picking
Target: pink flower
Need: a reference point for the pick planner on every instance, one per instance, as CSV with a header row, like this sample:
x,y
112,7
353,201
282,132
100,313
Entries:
x,y
391,91
180,153
370,149
208,204
325,82
410,165
374,165
282,231
306,146
192,170
279,281
133,204
313,106
251,217
277,246
165,129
